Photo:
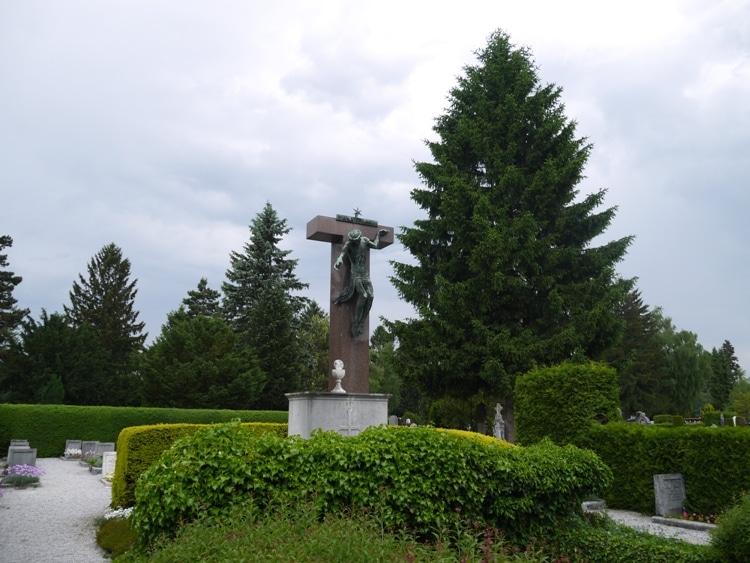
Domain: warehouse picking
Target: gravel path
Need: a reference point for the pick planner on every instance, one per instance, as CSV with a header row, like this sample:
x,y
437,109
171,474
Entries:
x,y
55,522
654,525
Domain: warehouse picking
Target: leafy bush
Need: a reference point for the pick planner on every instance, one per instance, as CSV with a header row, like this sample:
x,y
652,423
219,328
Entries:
x,y
562,401
604,541
730,538
140,446
418,478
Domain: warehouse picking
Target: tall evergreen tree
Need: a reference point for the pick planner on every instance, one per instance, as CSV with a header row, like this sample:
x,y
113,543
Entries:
x,y
105,300
10,315
726,374
639,359
203,301
260,303
505,274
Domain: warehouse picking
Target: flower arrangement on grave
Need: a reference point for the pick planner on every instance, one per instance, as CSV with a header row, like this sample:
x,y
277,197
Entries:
x,y
94,461
21,475
109,477
687,515
73,453
86,456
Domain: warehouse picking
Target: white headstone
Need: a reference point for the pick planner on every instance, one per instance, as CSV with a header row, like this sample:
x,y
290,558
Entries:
x,y
108,462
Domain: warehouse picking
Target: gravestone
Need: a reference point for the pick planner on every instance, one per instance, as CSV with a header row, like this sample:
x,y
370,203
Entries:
x,y
102,447
17,444
669,494
18,455
108,462
72,444
88,448
393,420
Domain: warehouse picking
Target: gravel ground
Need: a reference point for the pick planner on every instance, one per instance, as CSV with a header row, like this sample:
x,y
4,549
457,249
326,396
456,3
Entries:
x,y
56,522
654,525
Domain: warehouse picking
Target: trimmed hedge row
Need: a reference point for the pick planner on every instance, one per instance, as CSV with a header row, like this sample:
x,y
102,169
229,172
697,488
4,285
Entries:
x,y
139,447
713,462
414,478
46,427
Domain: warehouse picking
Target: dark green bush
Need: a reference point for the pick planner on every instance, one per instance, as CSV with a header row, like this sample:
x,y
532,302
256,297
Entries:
x,y
418,478
662,419
678,420
730,538
562,401
46,427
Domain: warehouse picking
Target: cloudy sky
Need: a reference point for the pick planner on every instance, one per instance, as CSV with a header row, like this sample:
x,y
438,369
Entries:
x,y
165,126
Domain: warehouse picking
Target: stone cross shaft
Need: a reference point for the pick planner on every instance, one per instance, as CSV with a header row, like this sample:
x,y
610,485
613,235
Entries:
x,y
354,351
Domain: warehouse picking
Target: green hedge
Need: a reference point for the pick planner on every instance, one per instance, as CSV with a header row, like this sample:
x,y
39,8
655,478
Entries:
x,y
139,447
561,401
713,462
47,427
409,478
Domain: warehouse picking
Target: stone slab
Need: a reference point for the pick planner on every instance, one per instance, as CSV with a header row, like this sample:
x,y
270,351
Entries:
x,y
346,413
669,494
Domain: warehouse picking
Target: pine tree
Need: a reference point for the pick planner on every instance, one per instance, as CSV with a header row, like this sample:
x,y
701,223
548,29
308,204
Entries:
x,y
203,301
506,276
260,304
105,301
726,374
639,359
10,315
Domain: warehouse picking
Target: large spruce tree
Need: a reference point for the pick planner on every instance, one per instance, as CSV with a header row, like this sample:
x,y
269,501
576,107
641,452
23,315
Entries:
x,y
505,273
260,303
10,315
105,300
726,373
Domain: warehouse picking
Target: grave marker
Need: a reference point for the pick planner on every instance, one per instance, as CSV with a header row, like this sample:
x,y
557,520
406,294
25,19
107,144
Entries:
x,y
669,493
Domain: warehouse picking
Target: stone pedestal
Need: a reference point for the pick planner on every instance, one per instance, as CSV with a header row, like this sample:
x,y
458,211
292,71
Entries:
x,y
346,413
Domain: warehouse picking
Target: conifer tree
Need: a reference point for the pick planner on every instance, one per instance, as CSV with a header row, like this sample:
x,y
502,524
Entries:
x,y
10,315
726,373
505,273
203,301
261,304
105,300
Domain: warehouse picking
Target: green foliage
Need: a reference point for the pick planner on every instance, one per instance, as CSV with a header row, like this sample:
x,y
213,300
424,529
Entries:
x,y
606,542
730,538
10,315
713,462
202,301
417,478
197,362
726,373
688,367
261,305
56,362
140,447
116,536
47,427
663,419
296,533
105,301
505,274
639,359
562,401
315,327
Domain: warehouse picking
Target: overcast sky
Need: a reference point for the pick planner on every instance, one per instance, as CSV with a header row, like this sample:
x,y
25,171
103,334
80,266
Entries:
x,y
165,126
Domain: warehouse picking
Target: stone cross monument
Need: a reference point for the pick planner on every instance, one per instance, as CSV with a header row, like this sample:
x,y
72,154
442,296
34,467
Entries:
x,y
351,239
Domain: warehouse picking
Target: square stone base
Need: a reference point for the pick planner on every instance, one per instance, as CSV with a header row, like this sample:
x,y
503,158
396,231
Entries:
x,y
346,413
